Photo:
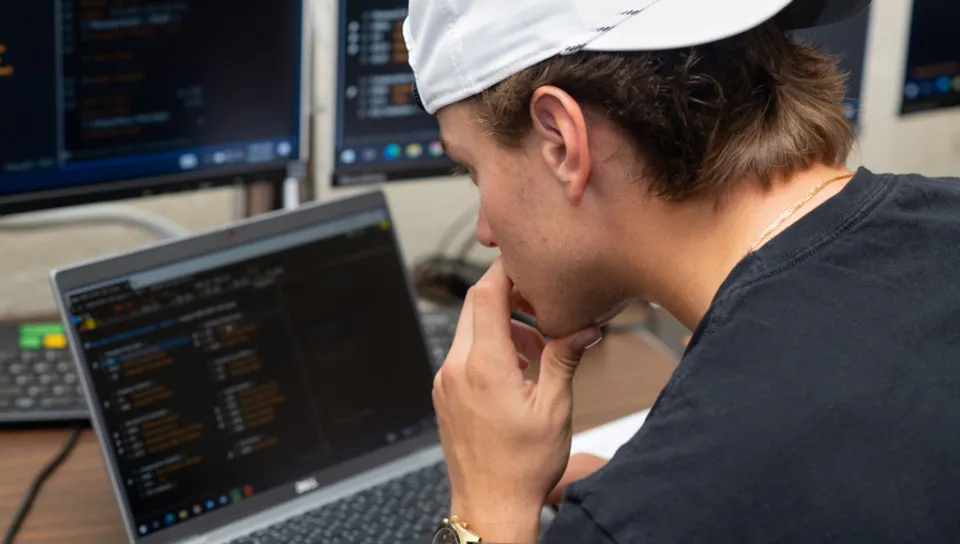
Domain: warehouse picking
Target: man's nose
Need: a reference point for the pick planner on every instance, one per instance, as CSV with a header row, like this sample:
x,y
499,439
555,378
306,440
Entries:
x,y
484,234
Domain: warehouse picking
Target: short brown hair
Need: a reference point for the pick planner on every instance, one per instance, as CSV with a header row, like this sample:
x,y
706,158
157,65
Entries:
x,y
760,104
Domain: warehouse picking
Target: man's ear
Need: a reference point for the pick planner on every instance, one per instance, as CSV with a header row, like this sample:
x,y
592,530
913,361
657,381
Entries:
x,y
560,131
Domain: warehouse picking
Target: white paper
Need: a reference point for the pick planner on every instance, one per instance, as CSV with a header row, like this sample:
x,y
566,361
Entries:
x,y
605,440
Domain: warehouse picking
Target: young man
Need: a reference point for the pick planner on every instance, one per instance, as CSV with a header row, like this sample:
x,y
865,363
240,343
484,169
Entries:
x,y
691,152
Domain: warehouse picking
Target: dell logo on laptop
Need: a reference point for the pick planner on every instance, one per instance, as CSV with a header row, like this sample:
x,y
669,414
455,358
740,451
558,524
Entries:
x,y
304,486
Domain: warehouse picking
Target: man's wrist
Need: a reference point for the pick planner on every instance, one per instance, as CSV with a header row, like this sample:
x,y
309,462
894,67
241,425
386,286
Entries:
x,y
501,523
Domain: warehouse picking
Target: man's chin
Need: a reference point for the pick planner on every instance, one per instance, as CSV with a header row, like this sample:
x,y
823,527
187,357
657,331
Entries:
x,y
561,328
564,327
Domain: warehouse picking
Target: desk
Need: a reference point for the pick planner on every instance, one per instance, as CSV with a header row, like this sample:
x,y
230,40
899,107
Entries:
x,y
621,376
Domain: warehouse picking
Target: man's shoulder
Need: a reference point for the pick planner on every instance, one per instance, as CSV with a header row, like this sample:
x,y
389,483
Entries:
x,y
948,183
915,192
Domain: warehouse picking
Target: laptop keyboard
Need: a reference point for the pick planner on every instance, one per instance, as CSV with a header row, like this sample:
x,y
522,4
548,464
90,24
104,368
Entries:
x,y
400,511
440,327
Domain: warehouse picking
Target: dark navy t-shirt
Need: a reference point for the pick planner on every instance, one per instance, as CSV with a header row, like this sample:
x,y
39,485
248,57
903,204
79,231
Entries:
x,y
819,398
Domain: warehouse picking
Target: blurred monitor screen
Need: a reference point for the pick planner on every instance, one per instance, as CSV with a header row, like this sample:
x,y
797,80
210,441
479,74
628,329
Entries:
x,y
107,99
933,57
380,133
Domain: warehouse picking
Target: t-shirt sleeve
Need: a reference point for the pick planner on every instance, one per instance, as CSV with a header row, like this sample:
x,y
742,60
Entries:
x,y
573,525
657,488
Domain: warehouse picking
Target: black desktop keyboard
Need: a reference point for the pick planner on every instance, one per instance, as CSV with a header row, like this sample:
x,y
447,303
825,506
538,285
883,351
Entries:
x,y
400,511
38,378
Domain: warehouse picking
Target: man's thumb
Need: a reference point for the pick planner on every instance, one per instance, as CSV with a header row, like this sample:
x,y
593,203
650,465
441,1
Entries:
x,y
562,356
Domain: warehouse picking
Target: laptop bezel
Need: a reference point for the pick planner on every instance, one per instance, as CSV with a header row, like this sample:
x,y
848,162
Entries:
x,y
68,279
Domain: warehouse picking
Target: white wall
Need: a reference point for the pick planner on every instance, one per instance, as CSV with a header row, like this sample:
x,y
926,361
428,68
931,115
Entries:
x,y
27,257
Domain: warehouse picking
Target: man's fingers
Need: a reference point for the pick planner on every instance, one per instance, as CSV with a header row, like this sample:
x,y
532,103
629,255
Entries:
x,y
561,358
580,466
463,337
491,308
522,362
528,341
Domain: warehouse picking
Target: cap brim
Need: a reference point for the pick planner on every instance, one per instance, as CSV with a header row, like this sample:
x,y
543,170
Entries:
x,y
672,24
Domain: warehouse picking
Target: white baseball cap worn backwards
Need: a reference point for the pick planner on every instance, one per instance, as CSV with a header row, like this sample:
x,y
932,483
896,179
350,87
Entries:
x,y
458,48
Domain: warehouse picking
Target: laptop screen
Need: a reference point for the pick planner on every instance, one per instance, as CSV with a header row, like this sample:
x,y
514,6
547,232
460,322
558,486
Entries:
x,y
225,376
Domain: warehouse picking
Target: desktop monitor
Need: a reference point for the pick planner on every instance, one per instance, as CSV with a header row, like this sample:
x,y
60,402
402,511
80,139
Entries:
x,y
932,79
106,99
380,135
848,41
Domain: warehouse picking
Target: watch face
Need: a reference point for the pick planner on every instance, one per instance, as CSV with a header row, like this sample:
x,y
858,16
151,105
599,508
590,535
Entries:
x,y
446,535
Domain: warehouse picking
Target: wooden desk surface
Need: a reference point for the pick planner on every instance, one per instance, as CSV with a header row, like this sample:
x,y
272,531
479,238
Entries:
x,y
621,376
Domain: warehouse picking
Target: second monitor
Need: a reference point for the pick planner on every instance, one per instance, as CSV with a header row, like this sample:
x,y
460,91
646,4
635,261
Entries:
x,y
932,78
379,133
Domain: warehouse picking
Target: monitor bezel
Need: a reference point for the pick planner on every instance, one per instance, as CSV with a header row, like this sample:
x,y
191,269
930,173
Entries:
x,y
359,176
66,280
239,176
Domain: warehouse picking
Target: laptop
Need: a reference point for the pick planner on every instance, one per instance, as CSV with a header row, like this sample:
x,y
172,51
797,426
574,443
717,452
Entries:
x,y
265,382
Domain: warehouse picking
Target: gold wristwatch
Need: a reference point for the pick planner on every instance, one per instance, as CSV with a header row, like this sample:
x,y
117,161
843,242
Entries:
x,y
454,531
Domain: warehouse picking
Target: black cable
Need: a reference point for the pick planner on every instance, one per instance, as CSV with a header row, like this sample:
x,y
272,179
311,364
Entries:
x,y
38,482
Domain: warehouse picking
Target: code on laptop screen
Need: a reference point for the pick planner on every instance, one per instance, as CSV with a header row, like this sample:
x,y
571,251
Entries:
x,y
240,371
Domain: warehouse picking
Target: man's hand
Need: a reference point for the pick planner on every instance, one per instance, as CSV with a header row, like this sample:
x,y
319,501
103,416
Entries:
x,y
506,438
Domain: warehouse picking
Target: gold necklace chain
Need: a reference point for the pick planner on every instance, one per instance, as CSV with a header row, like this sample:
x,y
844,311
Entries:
x,y
793,209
